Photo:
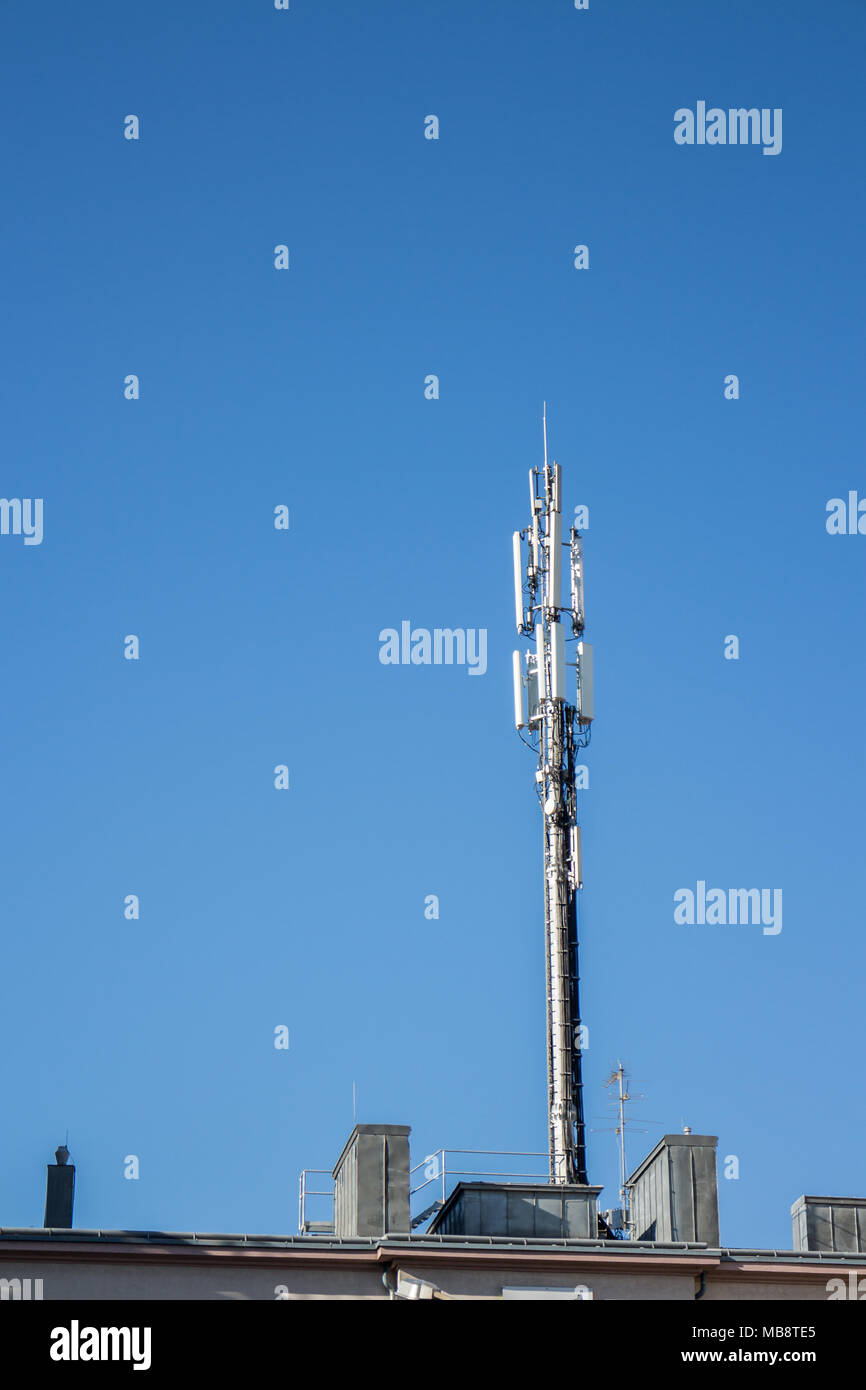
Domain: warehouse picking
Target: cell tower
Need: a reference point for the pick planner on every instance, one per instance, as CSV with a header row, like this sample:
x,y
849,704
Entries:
x,y
555,730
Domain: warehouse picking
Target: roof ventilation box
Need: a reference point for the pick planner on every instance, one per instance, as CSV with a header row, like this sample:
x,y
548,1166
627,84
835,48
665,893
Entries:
x,y
830,1223
371,1177
527,1210
675,1191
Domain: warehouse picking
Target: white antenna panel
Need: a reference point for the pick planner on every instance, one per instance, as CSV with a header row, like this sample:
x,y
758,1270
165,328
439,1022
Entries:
x,y
586,706
531,691
557,661
518,582
539,661
576,865
519,704
554,560
578,607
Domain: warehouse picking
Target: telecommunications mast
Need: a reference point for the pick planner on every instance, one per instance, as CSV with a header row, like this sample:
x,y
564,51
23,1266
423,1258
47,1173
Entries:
x,y
555,729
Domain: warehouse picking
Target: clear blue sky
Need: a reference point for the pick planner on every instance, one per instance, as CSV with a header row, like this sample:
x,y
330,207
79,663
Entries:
x,y
306,387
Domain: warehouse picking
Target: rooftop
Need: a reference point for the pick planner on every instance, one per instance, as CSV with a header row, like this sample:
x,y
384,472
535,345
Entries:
x,y
321,1244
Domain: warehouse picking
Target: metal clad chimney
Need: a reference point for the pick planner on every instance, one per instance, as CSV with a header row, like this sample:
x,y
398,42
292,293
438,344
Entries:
x,y
675,1191
59,1191
371,1182
837,1224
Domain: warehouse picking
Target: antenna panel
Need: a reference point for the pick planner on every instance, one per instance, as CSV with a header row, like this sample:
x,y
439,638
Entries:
x,y
576,864
540,671
518,582
519,699
554,560
531,689
557,661
578,609
585,683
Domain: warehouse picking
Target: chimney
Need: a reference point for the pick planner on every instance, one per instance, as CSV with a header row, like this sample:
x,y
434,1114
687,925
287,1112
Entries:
x,y
836,1224
371,1177
674,1193
60,1191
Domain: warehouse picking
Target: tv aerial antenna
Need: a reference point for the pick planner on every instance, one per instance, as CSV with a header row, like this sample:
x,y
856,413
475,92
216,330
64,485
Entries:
x,y
620,1078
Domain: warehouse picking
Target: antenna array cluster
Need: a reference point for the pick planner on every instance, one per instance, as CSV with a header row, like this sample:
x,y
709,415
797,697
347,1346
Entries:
x,y
556,728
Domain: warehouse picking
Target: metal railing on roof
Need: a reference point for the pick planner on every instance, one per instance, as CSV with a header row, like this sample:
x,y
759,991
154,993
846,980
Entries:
x,y
440,1175
305,1225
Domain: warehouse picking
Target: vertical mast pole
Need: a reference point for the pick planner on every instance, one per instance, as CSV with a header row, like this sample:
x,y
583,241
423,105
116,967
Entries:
x,y
552,720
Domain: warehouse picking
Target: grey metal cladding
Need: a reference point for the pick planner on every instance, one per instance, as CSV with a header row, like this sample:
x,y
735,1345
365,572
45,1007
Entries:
x,y
674,1191
520,1210
371,1182
834,1224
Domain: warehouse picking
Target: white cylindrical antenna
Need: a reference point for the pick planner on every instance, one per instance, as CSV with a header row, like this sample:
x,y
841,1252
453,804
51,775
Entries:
x,y
557,661
544,429
585,681
519,702
557,488
539,661
554,560
518,582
